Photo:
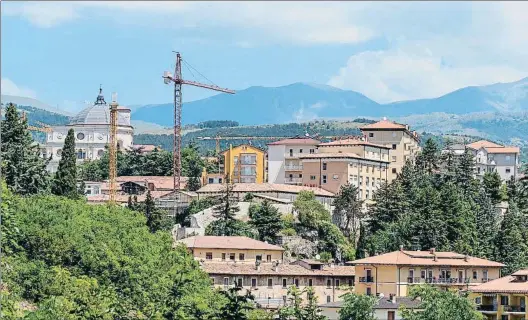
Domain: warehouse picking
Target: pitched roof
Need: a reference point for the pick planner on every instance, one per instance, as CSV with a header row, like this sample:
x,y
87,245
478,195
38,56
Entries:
x,y
508,284
383,303
503,150
218,242
160,182
123,198
338,155
243,145
352,142
483,143
264,187
268,269
426,258
295,141
523,272
384,124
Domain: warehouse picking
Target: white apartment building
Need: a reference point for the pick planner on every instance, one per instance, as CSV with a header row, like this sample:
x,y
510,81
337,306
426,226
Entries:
x,y
490,157
284,163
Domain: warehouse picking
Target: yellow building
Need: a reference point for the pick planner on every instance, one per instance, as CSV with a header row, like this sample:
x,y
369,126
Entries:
x,y
504,298
245,164
394,272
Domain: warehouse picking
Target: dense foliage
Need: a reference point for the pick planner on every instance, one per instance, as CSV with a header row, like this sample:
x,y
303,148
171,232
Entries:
x,y
70,260
298,309
217,124
357,307
65,181
266,219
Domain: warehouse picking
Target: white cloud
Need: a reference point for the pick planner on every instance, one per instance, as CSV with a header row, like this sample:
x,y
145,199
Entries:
x,y
10,88
42,14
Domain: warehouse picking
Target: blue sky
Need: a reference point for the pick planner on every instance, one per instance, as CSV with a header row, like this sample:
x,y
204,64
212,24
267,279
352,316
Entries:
x,y
59,52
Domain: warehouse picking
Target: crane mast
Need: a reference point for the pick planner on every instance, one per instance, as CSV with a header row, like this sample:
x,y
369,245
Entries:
x,y
178,81
112,149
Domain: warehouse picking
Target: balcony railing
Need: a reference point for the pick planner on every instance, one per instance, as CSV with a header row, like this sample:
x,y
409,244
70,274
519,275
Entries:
x,y
487,307
366,279
293,180
510,308
445,280
293,167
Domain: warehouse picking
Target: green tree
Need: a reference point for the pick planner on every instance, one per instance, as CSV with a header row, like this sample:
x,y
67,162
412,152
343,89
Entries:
x,y
238,306
156,219
297,309
192,166
348,211
465,169
357,307
438,304
267,221
23,169
492,183
230,228
65,180
487,222
228,208
511,244
428,160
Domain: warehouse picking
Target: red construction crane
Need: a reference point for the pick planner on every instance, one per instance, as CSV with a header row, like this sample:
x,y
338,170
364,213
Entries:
x,y
178,81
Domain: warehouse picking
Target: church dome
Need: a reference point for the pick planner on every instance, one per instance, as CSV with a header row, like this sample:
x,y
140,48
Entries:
x,y
98,113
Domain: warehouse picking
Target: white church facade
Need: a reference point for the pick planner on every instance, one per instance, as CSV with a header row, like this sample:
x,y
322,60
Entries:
x,y
92,133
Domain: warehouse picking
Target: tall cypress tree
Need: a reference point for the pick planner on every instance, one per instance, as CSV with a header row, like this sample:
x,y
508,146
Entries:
x,y
487,222
511,247
428,159
24,170
492,184
465,170
65,181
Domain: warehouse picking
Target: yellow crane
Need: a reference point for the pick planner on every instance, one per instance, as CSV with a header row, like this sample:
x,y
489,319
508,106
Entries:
x,y
113,147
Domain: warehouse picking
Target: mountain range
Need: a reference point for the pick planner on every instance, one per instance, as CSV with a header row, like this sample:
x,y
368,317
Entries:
x,y
306,101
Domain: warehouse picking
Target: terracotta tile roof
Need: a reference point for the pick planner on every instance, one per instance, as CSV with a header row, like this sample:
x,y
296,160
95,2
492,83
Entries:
x,y
338,155
426,258
244,145
295,141
160,182
508,284
383,303
503,150
483,143
352,142
268,269
217,242
123,198
523,272
384,124
264,187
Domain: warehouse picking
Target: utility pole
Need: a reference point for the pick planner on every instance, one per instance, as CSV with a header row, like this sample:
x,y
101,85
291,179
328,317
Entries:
x,y
178,81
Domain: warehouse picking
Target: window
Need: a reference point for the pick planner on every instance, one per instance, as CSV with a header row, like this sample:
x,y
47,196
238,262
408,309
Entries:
x,y
504,300
324,165
300,150
268,258
223,256
393,170
368,181
310,282
411,276
335,177
337,283
80,136
296,282
485,275
253,282
371,135
324,178
208,256
328,299
219,180
393,158
367,194
478,300
393,147
475,275
241,256
258,257
508,170
328,283
350,283
284,282
312,151
430,274
422,274
232,256
211,180
270,283
369,291
239,282
226,281
312,177
291,152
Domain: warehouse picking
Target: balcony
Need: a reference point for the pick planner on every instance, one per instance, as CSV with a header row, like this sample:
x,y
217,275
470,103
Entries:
x,y
294,155
292,180
510,309
446,280
366,279
487,308
248,162
293,168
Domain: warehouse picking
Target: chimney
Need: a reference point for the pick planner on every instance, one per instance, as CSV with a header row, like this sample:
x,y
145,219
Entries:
x,y
435,259
393,298
432,250
401,247
466,258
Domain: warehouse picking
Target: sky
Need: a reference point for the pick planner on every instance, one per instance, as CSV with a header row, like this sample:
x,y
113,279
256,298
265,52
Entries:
x,y
60,52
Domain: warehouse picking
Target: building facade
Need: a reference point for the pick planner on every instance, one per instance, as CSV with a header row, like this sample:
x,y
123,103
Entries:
x,y
92,128
387,308
504,298
259,267
395,272
284,159
245,164
404,144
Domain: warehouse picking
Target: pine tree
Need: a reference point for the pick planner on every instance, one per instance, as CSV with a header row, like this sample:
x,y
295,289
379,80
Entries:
x,y
24,170
511,246
267,220
428,159
487,222
192,166
65,180
227,210
492,183
465,170
390,204
348,211
155,218
361,248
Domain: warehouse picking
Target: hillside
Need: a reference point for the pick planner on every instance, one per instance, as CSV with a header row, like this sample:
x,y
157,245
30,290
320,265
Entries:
x,y
304,102
23,101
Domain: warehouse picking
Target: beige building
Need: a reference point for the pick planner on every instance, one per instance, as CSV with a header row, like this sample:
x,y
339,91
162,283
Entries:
x,y
394,272
403,143
360,163
503,298
258,266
